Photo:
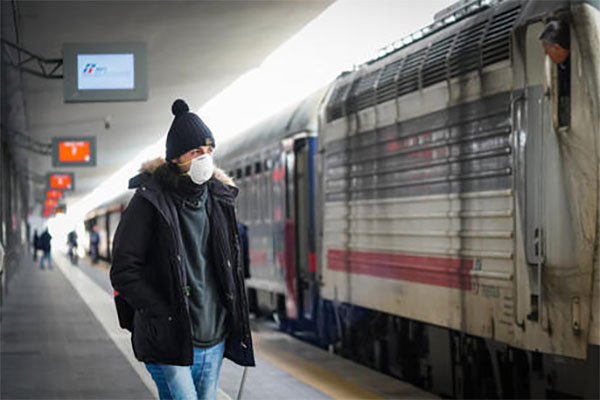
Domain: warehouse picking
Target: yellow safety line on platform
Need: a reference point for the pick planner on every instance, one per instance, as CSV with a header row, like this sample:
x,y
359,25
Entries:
x,y
324,381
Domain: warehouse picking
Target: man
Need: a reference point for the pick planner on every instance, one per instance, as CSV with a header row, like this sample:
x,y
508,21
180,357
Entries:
x,y
36,244
94,242
176,271
72,244
556,42
45,246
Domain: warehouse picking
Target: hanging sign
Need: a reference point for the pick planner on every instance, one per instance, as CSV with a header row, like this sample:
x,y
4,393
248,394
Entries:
x,y
74,151
105,72
50,203
62,181
54,194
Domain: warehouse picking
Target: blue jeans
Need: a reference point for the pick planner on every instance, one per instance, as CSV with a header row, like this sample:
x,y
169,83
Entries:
x,y
46,255
198,381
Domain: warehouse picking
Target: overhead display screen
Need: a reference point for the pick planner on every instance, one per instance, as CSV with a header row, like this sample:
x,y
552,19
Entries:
x,y
50,203
105,72
60,181
75,151
54,194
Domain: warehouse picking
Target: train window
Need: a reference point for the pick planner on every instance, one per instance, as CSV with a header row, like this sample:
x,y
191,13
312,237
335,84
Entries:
x,y
556,40
289,181
248,171
264,197
564,93
269,191
257,167
238,173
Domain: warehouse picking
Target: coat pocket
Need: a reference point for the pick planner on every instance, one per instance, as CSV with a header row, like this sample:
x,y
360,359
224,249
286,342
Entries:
x,y
157,338
164,335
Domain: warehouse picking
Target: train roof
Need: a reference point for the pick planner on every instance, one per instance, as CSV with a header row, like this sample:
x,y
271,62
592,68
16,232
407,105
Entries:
x,y
300,117
465,37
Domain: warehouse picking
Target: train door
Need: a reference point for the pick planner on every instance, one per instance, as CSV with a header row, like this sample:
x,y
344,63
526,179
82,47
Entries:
x,y
304,150
291,281
551,192
299,227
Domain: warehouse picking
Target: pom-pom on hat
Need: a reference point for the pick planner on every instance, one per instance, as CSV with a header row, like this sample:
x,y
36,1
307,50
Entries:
x,y
187,131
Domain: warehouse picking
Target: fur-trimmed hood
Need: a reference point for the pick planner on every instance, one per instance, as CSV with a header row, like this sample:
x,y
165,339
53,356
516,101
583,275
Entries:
x,y
152,165
159,169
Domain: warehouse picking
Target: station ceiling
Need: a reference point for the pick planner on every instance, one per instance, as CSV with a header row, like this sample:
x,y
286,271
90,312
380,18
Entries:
x,y
195,49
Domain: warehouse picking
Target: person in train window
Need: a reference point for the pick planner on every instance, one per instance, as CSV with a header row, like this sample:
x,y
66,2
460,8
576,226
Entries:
x,y
177,269
555,39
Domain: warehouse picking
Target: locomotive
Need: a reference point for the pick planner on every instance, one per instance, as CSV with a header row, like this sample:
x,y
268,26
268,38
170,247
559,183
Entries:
x,y
430,214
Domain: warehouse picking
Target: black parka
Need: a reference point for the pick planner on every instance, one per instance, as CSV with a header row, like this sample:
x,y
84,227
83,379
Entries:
x,y
149,278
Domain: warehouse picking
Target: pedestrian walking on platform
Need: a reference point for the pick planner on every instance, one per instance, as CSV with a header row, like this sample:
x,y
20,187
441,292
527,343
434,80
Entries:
x,y
45,246
72,245
36,245
94,242
177,268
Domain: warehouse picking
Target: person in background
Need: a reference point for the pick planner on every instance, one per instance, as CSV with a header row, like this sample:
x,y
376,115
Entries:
x,y
177,269
72,244
44,245
94,242
35,244
555,39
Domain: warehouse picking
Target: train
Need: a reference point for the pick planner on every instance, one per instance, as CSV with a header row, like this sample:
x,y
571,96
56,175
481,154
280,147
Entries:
x,y
430,214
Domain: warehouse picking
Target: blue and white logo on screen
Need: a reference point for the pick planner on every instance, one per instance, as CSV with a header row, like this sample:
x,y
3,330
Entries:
x,y
105,72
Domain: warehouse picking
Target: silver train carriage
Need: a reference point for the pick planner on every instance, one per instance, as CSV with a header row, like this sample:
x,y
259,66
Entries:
x,y
447,200
274,166
451,190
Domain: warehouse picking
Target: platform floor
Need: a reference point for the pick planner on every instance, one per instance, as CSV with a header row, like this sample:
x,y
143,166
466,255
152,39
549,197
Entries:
x,y
60,339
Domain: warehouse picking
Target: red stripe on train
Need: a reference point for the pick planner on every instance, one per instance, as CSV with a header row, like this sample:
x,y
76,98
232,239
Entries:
x,y
312,262
438,271
258,257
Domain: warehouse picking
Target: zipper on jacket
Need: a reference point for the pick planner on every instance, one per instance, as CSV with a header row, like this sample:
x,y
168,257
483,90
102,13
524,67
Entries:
x,y
179,283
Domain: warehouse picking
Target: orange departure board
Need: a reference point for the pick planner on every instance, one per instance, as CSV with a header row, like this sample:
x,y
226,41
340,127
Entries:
x,y
50,203
54,194
62,181
74,151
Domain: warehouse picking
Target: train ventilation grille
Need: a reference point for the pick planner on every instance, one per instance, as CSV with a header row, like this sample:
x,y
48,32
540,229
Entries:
x,y
386,87
363,94
473,48
496,44
464,57
408,81
335,108
435,67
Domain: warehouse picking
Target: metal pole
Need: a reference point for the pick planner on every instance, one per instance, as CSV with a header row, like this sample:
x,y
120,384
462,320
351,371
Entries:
x,y
239,396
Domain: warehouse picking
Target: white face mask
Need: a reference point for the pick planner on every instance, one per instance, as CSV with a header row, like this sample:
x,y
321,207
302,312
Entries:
x,y
202,169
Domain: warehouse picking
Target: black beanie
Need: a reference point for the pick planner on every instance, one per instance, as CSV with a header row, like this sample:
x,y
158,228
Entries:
x,y
187,131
